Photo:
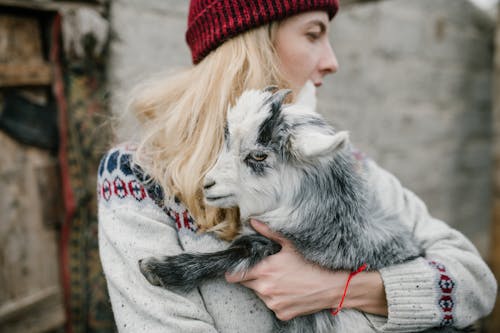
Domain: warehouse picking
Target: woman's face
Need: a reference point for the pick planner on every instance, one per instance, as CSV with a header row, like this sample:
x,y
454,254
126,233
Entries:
x,y
304,49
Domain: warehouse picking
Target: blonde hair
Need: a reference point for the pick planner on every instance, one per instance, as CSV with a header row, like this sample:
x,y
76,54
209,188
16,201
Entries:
x,y
183,116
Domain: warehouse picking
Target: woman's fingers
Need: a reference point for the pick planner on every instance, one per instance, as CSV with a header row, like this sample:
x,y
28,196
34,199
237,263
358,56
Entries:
x,y
265,231
252,284
238,277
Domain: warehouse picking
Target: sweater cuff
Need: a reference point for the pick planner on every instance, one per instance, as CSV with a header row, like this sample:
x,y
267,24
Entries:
x,y
412,297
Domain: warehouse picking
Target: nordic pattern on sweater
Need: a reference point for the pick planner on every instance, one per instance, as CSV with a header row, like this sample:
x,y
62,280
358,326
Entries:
x,y
120,180
445,286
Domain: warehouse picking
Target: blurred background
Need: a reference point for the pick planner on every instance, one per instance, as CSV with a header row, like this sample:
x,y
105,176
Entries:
x,y
418,88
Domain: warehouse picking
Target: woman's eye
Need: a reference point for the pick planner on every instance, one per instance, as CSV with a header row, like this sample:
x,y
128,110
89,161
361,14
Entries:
x,y
313,35
259,157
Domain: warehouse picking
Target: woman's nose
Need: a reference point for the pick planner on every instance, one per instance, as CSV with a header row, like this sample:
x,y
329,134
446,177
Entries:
x,y
329,63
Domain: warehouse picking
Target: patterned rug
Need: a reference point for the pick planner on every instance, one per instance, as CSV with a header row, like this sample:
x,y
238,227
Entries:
x,y
80,87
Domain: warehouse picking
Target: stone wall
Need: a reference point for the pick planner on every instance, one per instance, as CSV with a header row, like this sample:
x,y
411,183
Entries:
x,y
494,318
414,89
148,38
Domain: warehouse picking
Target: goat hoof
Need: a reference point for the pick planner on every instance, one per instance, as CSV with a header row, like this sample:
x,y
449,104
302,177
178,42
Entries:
x,y
146,268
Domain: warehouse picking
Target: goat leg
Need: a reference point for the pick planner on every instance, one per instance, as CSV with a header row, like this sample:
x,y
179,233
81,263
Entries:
x,y
187,270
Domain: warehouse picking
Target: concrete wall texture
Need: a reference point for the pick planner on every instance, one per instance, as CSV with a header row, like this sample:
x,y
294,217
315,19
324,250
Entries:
x,y
414,89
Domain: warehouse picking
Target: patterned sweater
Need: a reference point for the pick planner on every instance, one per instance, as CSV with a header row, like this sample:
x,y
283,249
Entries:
x,y
451,286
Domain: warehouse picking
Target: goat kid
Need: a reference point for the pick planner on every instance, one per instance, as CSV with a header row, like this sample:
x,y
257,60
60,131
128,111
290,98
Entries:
x,y
284,165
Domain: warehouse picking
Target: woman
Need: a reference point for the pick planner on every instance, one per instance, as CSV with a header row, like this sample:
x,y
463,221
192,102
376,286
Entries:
x,y
151,201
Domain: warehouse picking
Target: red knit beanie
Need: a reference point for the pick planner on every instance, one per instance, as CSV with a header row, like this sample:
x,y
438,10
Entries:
x,y
211,22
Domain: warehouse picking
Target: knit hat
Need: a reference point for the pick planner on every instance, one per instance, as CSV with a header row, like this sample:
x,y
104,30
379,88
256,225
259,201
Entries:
x,y
212,22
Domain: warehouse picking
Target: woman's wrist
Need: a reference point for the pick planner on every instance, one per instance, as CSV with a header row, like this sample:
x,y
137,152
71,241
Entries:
x,y
366,293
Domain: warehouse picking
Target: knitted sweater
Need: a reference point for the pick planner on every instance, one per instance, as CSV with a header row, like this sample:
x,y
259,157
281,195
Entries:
x,y
451,286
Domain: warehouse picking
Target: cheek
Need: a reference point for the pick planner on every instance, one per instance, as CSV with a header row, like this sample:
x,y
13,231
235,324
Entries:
x,y
264,188
297,63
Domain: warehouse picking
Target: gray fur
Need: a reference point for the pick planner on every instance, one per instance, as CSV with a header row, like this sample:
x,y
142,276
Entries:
x,y
322,203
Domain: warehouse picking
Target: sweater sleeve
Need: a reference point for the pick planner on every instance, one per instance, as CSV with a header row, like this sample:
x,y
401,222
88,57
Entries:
x,y
131,227
450,286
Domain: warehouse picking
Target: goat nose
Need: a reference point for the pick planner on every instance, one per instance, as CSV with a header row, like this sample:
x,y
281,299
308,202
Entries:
x,y
208,184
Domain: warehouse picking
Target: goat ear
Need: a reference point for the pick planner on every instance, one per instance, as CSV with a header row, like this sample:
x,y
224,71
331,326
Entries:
x,y
314,144
307,96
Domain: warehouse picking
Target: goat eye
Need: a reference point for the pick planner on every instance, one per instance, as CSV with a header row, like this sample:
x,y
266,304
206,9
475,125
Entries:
x,y
259,157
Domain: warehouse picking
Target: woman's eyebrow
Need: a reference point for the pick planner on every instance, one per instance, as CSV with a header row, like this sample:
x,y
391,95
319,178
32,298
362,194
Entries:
x,y
319,23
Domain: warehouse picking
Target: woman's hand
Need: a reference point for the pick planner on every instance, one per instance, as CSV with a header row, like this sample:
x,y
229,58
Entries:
x,y
290,286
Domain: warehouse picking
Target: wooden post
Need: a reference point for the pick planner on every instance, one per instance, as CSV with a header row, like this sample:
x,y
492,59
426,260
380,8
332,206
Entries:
x,y
30,289
494,258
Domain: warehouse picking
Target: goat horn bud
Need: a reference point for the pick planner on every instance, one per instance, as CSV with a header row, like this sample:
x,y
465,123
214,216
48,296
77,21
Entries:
x,y
278,97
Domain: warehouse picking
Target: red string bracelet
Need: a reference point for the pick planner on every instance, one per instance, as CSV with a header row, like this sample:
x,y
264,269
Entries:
x,y
337,310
